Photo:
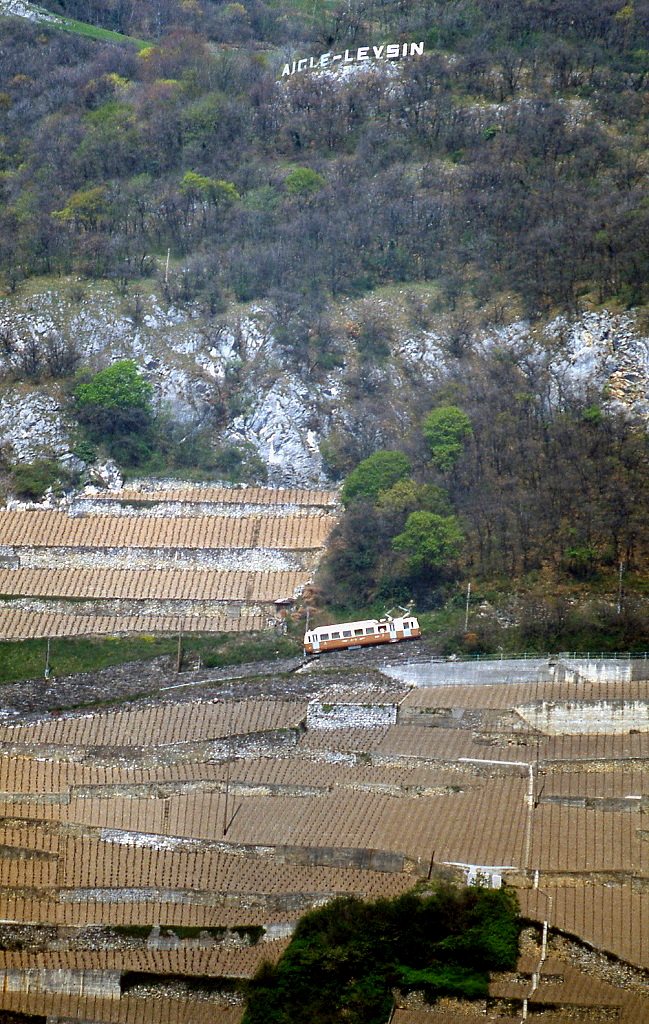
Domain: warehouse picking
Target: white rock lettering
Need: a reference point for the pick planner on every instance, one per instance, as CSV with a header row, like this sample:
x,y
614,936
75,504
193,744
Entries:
x,y
389,51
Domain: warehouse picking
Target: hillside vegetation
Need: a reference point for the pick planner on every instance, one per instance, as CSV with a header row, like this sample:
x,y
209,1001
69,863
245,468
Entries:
x,y
511,156
346,958
547,498
501,175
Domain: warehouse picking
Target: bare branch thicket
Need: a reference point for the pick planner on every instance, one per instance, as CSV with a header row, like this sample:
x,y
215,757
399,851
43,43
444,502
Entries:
x,y
29,359
62,355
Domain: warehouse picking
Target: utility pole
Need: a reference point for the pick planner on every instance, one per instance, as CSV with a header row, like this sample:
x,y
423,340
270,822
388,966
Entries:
x,y
47,660
466,615
619,590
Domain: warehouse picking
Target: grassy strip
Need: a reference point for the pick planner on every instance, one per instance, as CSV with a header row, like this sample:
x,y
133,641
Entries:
x,y
81,28
26,659
314,9
104,34
239,649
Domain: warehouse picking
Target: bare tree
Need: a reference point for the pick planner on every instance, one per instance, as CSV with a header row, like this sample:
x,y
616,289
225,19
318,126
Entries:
x,y
61,355
30,359
7,341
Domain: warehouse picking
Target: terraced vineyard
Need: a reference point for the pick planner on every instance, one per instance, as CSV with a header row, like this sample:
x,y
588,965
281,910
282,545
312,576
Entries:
x,y
153,855
198,559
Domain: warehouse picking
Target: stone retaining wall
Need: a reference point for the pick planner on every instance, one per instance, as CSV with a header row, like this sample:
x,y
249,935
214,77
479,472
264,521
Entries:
x,y
130,608
252,559
350,716
150,508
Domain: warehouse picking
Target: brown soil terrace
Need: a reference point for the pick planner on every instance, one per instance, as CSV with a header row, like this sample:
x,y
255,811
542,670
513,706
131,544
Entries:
x,y
138,561
156,849
108,843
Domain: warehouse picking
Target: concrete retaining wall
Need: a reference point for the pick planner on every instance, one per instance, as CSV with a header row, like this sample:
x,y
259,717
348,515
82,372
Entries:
x,y
601,670
572,718
37,981
460,718
586,670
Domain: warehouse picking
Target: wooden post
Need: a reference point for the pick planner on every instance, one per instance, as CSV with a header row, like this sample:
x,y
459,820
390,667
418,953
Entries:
x,y
430,867
179,657
227,788
227,773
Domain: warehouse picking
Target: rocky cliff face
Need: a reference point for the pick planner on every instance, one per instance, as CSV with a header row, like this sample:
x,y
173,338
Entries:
x,y
188,359
197,365
21,9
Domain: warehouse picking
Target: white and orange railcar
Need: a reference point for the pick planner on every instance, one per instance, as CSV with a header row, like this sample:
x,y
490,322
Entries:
x,y
360,634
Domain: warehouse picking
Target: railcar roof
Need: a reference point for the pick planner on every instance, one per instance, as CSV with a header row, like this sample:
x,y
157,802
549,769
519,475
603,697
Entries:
x,y
361,622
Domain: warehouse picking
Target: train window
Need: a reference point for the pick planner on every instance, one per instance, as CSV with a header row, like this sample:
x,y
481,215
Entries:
x,y
335,636
358,632
347,632
324,636
369,629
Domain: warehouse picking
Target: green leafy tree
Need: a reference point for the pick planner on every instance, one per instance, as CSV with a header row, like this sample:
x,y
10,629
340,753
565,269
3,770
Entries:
x,y
407,496
445,430
304,182
430,540
200,188
86,208
115,407
120,387
374,475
